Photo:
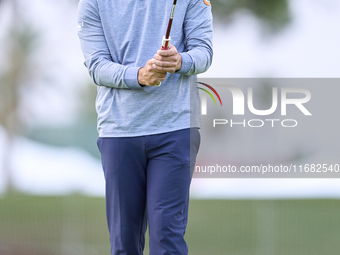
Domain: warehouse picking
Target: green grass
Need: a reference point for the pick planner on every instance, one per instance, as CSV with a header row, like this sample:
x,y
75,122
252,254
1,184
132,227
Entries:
x,y
77,225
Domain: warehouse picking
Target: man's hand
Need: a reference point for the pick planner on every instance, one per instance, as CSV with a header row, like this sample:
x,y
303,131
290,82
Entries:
x,y
149,75
168,60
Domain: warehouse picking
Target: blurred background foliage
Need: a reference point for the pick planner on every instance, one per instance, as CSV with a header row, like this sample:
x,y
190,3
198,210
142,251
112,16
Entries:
x,y
14,76
274,15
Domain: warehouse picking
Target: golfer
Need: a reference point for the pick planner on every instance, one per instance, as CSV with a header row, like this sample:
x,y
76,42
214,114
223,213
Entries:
x,y
148,135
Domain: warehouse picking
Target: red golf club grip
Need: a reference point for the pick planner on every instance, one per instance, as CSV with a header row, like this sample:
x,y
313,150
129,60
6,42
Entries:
x,y
166,39
165,43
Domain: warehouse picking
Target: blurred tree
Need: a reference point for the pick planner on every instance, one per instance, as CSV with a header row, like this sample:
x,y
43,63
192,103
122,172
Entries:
x,y
273,14
18,48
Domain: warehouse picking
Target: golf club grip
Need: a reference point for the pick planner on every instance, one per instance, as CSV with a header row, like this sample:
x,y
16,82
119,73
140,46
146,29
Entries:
x,y
165,43
167,38
165,46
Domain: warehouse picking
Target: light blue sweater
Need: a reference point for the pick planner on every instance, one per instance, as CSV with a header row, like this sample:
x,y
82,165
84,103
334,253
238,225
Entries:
x,y
118,37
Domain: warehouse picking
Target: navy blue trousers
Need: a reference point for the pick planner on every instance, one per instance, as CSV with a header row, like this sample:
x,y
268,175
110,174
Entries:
x,y
148,180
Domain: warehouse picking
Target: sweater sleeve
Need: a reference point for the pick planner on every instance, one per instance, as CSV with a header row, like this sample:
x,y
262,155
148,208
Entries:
x,y
98,60
198,38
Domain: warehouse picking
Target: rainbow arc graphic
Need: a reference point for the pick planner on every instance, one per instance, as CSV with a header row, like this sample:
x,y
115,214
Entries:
x,y
209,93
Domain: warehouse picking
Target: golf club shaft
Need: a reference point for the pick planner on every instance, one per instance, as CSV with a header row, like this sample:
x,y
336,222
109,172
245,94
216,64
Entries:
x,y
166,38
